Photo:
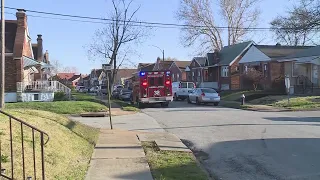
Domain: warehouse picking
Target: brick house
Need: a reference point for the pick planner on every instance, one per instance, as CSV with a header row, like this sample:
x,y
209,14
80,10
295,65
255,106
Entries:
x,y
265,58
177,68
26,75
220,69
68,79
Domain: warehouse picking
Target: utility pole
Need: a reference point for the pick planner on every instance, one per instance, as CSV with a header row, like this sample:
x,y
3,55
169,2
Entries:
x,y
3,56
162,55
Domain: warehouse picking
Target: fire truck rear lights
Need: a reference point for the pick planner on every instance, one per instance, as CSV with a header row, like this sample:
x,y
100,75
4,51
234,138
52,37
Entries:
x,y
167,82
144,83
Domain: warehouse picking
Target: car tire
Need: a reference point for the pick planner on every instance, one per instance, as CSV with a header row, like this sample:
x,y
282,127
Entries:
x,y
197,101
215,104
175,97
188,99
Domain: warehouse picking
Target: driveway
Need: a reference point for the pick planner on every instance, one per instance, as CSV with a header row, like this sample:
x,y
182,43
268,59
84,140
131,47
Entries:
x,y
238,144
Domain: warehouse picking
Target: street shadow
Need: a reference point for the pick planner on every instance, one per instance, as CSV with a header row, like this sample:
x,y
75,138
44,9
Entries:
x,y
296,119
224,125
263,159
255,159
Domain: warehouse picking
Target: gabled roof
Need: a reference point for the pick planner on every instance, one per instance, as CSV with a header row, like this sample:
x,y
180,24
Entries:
x,y
66,76
147,67
229,53
200,60
86,78
182,64
74,77
165,65
124,73
254,55
279,51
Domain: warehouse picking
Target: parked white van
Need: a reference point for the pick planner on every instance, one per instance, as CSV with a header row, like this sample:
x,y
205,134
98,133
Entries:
x,y
181,90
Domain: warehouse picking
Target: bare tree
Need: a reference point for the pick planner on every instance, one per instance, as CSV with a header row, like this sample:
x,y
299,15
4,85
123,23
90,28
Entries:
x,y
300,26
199,19
57,67
111,43
239,15
255,77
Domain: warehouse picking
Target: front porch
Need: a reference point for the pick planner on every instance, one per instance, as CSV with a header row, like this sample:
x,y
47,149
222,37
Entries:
x,y
304,77
40,90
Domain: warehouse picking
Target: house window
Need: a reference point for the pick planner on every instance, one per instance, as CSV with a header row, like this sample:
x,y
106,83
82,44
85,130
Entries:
x,y
224,71
245,68
237,68
173,77
295,69
192,74
36,97
178,76
199,73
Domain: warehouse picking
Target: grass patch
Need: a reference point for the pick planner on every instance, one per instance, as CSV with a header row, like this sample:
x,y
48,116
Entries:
x,y
300,103
83,97
67,154
130,108
125,106
172,165
60,107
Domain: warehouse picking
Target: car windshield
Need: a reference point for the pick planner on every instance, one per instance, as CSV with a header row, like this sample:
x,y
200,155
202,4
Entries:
x,y
208,91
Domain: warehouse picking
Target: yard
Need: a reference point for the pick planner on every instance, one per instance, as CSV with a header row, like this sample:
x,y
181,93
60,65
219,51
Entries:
x,y
60,107
67,153
172,165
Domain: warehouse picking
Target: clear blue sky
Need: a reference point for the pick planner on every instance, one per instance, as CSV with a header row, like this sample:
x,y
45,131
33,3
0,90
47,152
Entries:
x,y
65,40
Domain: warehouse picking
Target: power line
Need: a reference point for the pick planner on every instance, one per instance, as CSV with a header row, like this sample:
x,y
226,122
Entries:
x,y
141,23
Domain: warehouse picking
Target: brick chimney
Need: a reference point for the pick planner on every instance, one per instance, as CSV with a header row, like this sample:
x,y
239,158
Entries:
x,y
46,57
40,48
20,34
18,48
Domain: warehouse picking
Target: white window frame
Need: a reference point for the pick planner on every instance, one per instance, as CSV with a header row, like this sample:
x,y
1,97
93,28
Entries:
x,y
172,76
178,76
192,73
224,71
199,74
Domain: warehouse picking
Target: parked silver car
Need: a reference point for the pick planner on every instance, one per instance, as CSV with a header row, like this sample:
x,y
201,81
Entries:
x,y
204,95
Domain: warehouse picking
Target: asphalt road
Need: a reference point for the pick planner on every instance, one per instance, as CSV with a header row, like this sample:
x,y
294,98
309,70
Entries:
x,y
246,145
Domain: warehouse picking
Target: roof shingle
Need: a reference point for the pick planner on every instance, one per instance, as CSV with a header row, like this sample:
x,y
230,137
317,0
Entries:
x,y
230,53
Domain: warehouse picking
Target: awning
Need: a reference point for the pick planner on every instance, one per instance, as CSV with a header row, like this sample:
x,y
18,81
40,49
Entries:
x,y
29,62
308,59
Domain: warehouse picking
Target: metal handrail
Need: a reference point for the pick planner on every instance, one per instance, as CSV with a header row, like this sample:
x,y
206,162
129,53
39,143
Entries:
x,y
42,144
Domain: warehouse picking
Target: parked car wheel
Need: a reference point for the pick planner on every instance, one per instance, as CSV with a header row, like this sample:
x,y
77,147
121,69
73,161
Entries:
x,y
216,104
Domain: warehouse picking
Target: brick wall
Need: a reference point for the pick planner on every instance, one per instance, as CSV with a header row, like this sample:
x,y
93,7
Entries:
x,y
10,74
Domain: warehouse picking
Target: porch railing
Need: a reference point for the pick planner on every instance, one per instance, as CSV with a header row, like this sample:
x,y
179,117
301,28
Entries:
x,y
18,166
43,86
303,85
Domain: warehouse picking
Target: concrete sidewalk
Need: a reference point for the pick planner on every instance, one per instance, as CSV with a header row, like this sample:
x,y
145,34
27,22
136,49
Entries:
x,y
118,155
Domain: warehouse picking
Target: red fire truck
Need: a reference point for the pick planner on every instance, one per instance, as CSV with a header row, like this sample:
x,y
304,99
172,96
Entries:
x,y
150,87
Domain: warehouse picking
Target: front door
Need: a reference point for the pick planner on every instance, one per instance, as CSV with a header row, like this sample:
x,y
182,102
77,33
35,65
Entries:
x,y
315,74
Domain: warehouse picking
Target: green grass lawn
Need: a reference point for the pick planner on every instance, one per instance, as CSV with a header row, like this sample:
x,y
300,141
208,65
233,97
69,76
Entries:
x,y
60,107
300,103
170,165
125,106
83,96
67,154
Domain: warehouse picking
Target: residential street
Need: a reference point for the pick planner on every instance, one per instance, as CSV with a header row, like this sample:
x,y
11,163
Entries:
x,y
238,144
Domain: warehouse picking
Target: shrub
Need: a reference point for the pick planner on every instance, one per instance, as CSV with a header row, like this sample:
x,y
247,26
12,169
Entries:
x,y
60,96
